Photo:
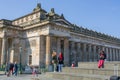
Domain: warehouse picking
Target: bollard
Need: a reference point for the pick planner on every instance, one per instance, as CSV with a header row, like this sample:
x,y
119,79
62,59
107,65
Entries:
x,y
35,79
114,78
115,69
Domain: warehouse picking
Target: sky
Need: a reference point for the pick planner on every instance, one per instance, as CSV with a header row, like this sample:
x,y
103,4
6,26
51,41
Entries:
x,y
97,15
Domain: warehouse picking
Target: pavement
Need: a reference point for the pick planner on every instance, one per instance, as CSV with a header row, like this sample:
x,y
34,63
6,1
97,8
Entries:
x,y
26,77
19,77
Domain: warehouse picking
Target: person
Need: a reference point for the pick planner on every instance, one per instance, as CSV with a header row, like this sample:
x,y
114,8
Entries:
x,y
73,64
54,60
102,57
7,68
10,69
60,62
34,71
15,69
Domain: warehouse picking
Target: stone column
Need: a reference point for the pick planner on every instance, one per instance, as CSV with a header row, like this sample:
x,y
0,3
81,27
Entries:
x,y
84,52
115,58
113,54
72,51
103,48
66,52
3,55
48,50
0,48
118,54
94,52
98,52
78,52
107,54
110,54
108,57
12,56
90,54
42,51
58,46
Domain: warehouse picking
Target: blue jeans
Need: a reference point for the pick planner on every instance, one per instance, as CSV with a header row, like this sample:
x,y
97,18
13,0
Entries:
x,y
60,67
15,73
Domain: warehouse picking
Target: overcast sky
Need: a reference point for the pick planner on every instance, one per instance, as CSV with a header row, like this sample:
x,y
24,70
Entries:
x,y
99,15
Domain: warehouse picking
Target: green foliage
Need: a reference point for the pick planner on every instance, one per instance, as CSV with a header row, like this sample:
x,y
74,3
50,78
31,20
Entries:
x,y
43,70
2,67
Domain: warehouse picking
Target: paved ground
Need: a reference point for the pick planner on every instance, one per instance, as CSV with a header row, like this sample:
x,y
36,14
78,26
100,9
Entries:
x,y
25,77
19,77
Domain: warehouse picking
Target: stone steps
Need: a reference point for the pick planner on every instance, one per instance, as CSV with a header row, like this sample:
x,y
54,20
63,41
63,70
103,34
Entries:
x,y
75,76
102,71
107,65
84,71
43,77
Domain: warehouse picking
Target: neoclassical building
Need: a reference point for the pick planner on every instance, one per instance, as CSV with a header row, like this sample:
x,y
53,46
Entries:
x,y
30,39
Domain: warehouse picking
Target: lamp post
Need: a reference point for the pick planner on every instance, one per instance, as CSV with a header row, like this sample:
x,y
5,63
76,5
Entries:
x,y
20,60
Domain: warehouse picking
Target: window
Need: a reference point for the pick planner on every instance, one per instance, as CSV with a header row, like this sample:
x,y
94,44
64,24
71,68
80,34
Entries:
x,y
30,59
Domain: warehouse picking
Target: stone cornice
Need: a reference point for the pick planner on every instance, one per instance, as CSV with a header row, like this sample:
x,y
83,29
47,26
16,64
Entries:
x,y
91,33
99,39
61,25
25,16
36,25
8,24
11,27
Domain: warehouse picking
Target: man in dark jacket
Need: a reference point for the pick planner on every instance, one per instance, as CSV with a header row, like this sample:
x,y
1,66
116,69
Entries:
x,y
15,68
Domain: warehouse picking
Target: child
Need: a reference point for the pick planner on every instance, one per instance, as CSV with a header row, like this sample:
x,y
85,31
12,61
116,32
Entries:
x,y
34,72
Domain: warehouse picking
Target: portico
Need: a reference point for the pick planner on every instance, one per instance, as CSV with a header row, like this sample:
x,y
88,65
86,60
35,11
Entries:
x,y
41,32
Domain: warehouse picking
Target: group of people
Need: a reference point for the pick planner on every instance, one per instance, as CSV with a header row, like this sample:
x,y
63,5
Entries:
x,y
11,69
57,61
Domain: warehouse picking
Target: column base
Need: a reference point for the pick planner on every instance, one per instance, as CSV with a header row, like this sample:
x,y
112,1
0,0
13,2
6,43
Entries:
x,y
49,68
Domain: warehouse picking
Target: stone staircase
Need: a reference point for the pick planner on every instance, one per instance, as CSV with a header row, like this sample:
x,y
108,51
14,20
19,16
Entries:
x,y
84,71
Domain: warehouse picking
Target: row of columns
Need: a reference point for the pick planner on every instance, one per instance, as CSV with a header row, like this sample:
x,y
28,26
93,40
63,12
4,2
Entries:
x,y
6,50
77,51
81,51
58,50
90,52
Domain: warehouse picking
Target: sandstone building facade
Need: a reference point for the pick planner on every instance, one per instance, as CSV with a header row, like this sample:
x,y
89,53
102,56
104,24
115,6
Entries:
x,y
34,36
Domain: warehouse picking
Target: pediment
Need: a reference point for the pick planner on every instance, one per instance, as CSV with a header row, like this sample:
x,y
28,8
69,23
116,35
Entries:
x,y
63,22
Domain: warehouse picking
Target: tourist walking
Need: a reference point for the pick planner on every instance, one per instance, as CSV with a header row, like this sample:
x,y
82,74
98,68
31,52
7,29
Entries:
x,y
10,69
60,62
102,57
15,69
